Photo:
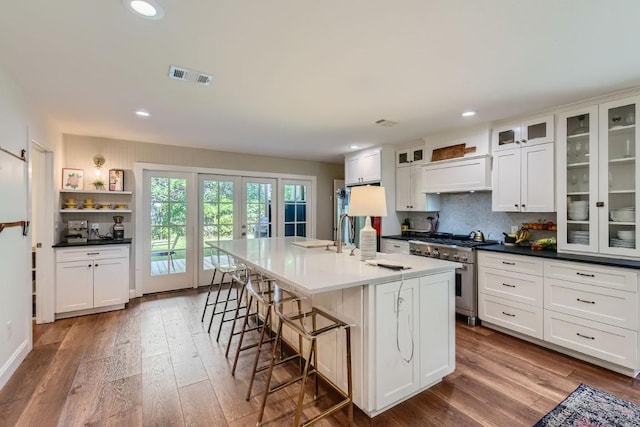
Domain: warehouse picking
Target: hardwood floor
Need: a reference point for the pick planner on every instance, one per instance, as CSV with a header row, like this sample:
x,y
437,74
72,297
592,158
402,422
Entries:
x,y
154,364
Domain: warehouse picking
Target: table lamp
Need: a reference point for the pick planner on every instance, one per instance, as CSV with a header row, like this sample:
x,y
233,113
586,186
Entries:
x,y
367,201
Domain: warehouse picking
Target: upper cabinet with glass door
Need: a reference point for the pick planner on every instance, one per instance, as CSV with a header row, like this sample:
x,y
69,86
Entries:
x,y
577,173
534,131
597,172
619,169
410,156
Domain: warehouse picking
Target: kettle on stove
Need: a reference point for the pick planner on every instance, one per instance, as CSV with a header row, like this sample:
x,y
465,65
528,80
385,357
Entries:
x,y
477,236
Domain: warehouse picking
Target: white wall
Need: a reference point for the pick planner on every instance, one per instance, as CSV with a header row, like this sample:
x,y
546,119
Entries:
x,y
19,124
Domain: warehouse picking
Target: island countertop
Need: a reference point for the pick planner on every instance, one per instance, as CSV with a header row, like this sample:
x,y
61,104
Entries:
x,y
316,270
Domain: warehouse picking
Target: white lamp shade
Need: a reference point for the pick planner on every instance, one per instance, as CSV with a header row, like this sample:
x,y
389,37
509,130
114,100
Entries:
x,y
367,201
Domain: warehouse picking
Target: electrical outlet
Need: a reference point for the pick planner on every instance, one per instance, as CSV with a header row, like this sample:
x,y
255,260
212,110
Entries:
x,y
514,228
95,227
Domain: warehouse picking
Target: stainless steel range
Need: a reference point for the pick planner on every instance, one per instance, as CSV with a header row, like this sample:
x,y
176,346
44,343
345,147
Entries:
x,y
457,248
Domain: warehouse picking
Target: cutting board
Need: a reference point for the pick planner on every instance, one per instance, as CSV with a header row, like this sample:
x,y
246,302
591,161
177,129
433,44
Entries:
x,y
451,152
313,243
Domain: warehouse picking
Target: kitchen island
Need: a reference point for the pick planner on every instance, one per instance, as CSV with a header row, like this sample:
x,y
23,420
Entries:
x,y
403,321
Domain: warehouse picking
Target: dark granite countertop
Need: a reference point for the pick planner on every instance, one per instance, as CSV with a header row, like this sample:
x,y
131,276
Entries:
x,y
94,242
521,250
398,237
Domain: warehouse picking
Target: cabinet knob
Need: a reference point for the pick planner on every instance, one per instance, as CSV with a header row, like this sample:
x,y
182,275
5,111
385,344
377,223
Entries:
x,y
89,265
96,265
517,142
524,206
516,205
524,140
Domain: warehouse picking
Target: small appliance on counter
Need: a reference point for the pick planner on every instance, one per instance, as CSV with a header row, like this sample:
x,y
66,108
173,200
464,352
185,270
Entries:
x,y
77,231
118,228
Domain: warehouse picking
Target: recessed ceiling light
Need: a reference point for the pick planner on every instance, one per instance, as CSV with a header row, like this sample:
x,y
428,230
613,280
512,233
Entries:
x,y
353,146
148,9
143,113
468,114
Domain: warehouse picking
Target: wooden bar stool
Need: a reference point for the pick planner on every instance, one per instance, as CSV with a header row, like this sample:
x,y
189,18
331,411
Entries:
x,y
309,324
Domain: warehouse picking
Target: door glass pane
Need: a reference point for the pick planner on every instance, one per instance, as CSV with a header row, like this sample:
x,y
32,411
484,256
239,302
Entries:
x,y
168,225
217,197
622,178
538,130
258,210
578,165
295,208
507,137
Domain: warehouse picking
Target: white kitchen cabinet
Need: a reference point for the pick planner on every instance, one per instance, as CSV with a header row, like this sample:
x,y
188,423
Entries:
x,y
597,166
581,307
410,195
414,337
91,277
363,167
510,292
410,156
537,130
437,336
389,246
397,329
524,179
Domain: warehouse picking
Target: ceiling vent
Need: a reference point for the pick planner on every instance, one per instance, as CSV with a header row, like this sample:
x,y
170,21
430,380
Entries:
x,y
179,73
385,123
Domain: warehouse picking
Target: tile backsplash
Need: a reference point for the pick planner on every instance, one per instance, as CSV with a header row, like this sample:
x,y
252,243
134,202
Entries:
x,y
461,213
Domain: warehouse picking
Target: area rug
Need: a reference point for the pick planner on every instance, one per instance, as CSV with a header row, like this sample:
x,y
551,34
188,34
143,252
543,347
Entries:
x,y
590,407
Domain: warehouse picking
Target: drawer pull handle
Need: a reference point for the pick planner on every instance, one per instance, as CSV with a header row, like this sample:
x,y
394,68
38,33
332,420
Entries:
x,y
585,336
508,263
585,301
508,314
396,246
93,253
508,285
585,274
89,265
97,265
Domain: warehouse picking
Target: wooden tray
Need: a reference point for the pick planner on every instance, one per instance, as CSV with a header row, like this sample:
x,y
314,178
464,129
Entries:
x,y
451,152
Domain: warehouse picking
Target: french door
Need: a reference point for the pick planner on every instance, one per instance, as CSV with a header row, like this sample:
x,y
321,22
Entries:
x,y
232,207
168,219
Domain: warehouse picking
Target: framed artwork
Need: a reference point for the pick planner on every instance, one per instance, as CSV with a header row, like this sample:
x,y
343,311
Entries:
x,y
116,180
72,179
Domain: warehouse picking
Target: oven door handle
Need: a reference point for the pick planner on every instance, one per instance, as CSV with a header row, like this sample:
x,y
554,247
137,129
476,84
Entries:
x,y
464,267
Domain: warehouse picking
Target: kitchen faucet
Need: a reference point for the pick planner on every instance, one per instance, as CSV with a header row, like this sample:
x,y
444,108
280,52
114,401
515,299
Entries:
x,y
339,241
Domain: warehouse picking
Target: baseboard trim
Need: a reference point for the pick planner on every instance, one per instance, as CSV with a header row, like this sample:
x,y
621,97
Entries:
x,y
11,366
132,293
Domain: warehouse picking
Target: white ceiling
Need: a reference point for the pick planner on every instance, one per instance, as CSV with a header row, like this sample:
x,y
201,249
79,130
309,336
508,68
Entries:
x,y
307,78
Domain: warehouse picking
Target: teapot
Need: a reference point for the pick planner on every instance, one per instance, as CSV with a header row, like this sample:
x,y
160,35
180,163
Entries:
x,y
477,236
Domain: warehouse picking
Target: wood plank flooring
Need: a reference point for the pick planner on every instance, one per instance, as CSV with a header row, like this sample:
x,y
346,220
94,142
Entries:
x,y
154,364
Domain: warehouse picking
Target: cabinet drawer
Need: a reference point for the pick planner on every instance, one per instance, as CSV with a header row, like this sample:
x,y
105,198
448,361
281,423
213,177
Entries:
x,y
610,343
512,315
610,277
523,288
606,305
92,252
394,246
517,263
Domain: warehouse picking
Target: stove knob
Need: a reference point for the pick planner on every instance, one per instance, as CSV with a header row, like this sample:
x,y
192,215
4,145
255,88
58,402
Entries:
x,y
435,253
464,258
445,255
456,257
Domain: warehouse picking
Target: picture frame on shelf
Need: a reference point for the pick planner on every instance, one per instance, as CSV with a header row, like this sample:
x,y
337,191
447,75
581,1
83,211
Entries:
x,y
116,180
72,179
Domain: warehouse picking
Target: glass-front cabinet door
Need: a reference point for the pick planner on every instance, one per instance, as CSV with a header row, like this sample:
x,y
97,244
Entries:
x,y
618,176
578,180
